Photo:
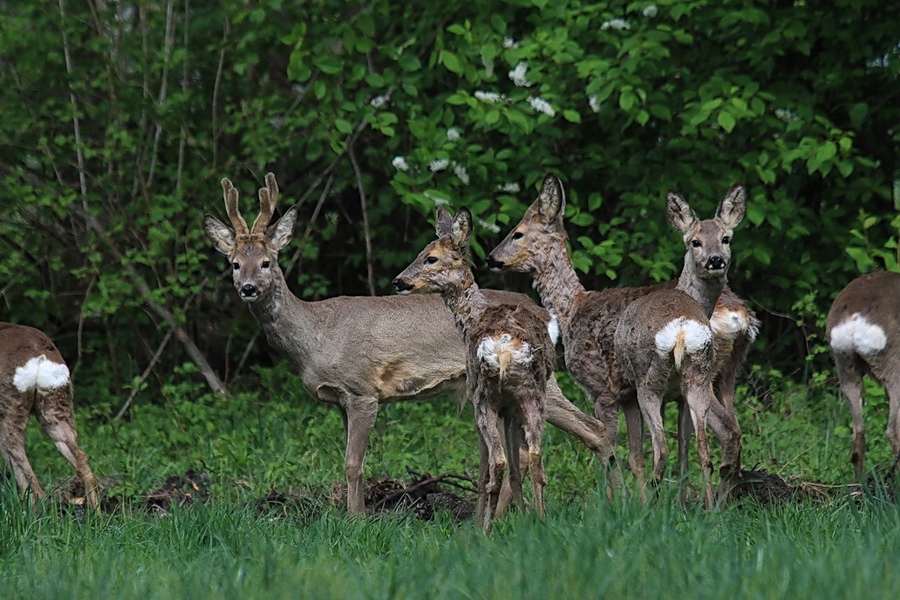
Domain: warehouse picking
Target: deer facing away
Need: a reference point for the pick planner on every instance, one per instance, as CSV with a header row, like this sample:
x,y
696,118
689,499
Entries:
x,y
863,330
588,319
509,358
34,379
357,352
666,336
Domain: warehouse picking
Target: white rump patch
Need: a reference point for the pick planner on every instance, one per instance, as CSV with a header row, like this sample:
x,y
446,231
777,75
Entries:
x,y
729,324
491,349
696,335
858,334
40,373
553,328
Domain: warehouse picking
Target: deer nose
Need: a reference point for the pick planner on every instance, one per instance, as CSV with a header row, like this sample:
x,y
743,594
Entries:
x,y
493,263
400,285
715,263
248,290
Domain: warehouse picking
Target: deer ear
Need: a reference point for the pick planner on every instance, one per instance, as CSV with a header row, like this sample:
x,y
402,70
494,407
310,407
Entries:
x,y
281,232
461,229
733,206
443,221
680,214
221,235
551,200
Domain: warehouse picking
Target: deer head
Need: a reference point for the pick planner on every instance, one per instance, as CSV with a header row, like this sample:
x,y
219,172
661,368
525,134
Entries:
x,y
443,266
527,245
253,252
708,242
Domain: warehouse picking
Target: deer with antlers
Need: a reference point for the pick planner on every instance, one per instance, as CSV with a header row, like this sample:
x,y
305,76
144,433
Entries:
x,y
357,352
509,358
34,379
863,330
537,245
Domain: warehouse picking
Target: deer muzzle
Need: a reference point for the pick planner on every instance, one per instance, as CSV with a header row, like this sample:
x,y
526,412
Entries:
x,y
248,292
402,287
715,264
494,264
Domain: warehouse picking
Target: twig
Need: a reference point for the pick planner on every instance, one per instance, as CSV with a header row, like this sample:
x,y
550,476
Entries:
x,y
370,269
445,478
145,374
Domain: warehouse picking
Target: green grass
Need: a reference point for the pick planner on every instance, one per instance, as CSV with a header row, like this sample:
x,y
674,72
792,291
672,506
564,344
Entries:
x,y
589,546
600,549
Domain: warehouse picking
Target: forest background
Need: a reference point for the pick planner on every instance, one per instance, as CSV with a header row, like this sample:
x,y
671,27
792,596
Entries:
x,y
118,120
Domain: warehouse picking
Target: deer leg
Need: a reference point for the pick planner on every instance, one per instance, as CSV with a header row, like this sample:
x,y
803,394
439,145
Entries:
x,y
634,425
511,489
685,429
560,412
55,414
892,385
533,424
850,375
486,419
12,446
699,398
650,403
725,426
725,384
359,420
483,475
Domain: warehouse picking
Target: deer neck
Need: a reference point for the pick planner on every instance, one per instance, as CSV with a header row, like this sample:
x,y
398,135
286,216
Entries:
x,y
467,303
557,284
705,291
286,320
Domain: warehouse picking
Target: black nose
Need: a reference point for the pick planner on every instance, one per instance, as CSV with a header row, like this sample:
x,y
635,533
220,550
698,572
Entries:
x,y
715,263
248,290
400,285
493,263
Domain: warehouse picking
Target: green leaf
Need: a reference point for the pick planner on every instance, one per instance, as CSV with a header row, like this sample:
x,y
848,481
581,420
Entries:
x,y
726,121
452,62
571,116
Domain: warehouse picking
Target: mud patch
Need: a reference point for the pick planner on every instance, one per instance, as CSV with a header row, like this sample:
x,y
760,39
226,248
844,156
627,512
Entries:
x,y
290,506
179,490
422,497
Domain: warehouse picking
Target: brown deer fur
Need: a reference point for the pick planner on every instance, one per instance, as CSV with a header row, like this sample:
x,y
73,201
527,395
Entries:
x,y
509,358
863,330
34,379
358,352
666,336
588,319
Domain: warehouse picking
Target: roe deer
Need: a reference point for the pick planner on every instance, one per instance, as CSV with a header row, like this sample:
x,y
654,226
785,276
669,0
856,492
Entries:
x,y
588,319
863,330
668,332
361,351
34,379
509,358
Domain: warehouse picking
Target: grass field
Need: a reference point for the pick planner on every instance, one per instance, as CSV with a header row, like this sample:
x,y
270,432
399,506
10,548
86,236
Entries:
x,y
838,546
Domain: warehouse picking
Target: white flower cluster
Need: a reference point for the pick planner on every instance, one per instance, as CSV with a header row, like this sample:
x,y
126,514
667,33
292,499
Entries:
x,y
438,164
788,116
453,134
616,23
378,101
489,97
461,172
517,75
492,227
594,103
400,164
510,188
510,43
541,105
650,11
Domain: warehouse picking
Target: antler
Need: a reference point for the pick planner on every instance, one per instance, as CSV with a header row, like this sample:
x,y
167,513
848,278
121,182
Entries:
x,y
231,207
268,196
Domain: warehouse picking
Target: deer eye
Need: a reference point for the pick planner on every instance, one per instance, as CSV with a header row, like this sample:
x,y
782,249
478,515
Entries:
x,y
236,266
696,243
265,264
517,235
726,240
431,260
